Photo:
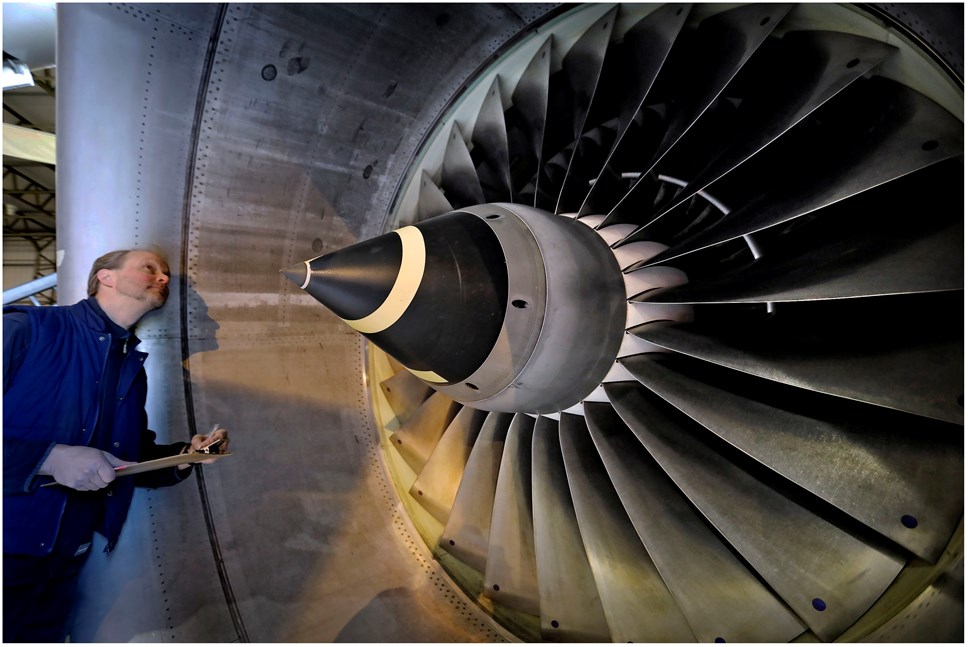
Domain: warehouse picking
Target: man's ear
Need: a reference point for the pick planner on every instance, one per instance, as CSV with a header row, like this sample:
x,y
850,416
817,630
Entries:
x,y
106,277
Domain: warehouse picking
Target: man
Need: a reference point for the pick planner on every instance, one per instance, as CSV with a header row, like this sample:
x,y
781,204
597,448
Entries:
x,y
74,394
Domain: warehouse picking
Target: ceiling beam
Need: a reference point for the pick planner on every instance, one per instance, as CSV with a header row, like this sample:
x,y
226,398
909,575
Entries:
x,y
29,144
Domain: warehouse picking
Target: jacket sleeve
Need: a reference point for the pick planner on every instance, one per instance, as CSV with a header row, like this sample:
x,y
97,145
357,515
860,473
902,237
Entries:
x,y
163,477
22,457
16,337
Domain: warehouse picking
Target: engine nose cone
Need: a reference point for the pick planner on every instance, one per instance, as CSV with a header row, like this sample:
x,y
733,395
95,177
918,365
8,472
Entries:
x,y
486,304
431,295
356,282
297,274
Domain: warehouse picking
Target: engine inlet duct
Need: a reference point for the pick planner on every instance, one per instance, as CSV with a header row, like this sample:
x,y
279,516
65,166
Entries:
x,y
478,303
735,297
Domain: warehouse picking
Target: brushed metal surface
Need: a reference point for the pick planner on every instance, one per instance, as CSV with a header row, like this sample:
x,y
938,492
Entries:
x,y
571,91
405,392
833,349
510,576
911,132
827,575
649,43
928,262
723,43
637,603
417,438
432,201
571,608
879,467
468,529
490,152
436,485
525,120
720,597
458,178
809,67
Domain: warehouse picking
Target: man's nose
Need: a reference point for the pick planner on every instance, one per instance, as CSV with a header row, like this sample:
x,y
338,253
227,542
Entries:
x,y
164,278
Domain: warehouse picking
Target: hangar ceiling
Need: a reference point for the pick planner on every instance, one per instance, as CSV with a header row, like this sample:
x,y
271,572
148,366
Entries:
x,y
29,187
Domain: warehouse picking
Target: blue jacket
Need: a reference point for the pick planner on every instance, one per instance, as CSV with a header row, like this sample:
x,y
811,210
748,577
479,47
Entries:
x,y
53,399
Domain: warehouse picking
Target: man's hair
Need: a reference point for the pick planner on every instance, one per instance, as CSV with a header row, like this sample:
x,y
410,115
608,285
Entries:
x,y
112,261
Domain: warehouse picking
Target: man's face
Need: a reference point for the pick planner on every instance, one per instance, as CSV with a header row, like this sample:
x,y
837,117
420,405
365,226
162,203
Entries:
x,y
143,276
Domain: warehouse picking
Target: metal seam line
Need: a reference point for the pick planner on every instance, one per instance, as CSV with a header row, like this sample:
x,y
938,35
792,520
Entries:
x,y
405,287
205,82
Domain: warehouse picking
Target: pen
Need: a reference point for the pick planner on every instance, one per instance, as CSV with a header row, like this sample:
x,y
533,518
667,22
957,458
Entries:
x,y
215,442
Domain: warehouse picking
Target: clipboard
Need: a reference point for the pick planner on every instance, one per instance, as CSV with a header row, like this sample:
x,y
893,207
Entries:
x,y
197,456
159,463
167,461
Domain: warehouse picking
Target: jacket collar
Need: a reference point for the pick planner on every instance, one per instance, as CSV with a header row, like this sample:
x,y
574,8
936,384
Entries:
x,y
96,319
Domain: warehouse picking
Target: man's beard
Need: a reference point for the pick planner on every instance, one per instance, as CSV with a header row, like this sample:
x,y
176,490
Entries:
x,y
154,296
159,297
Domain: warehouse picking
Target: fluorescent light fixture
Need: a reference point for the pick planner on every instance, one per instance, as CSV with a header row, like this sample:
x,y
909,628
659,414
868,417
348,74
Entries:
x,y
16,74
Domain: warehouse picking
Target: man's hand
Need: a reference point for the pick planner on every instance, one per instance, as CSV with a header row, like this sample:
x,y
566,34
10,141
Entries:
x,y
200,441
81,468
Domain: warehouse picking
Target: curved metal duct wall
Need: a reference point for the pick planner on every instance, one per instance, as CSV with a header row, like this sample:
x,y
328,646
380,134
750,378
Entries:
x,y
245,138
240,139
777,451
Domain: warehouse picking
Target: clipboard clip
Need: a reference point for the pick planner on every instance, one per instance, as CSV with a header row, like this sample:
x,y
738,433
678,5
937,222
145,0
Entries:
x,y
212,448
